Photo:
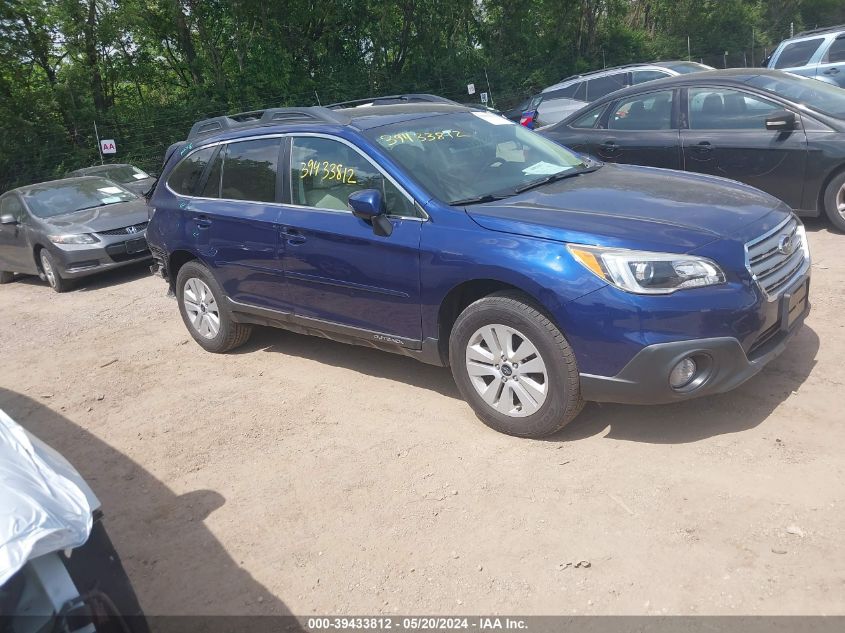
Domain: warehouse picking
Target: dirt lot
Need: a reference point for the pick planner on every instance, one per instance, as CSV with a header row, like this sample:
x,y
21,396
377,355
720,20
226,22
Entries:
x,y
307,476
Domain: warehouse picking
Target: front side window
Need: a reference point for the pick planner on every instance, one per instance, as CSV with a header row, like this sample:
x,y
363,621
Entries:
x,y
601,86
588,121
836,52
652,111
470,154
721,109
11,205
798,53
186,175
69,196
324,172
249,170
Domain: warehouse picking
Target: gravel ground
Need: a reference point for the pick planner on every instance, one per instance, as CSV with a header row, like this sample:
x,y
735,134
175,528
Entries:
x,y
301,475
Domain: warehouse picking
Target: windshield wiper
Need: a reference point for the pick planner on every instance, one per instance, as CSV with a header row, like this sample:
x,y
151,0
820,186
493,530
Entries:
x,y
487,197
552,177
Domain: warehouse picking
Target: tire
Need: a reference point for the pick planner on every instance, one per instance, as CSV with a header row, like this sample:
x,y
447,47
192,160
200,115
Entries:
x,y
51,273
532,403
6,277
834,201
202,305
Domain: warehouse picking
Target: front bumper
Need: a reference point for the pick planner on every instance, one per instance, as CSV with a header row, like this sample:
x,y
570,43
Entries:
x,y
722,365
722,362
81,260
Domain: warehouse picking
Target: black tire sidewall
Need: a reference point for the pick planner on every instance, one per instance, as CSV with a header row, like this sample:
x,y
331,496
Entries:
x,y
550,417
830,192
194,269
60,284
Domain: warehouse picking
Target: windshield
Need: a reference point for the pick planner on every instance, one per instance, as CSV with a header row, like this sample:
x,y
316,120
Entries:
x,y
57,198
815,94
472,154
123,173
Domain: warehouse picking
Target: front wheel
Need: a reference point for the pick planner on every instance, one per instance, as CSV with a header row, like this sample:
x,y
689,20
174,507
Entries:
x,y
201,304
51,272
514,367
834,201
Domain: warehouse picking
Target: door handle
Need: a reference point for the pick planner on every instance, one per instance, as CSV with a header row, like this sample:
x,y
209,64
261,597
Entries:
x,y
831,71
610,145
294,237
704,147
202,221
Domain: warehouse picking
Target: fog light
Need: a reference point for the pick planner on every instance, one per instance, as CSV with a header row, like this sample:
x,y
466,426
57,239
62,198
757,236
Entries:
x,y
682,373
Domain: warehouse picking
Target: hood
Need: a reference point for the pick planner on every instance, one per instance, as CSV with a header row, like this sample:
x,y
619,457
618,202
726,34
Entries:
x,y
45,505
618,205
110,216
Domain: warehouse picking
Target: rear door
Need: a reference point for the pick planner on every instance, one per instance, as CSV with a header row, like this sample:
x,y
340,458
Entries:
x,y
338,271
15,253
638,130
233,218
727,137
832,65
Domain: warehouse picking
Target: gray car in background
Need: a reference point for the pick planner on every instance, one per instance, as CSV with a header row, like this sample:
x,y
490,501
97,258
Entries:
x,y
557,102
128,176
66,229
819,54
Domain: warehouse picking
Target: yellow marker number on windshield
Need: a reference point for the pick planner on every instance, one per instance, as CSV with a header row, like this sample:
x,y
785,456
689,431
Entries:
x,y
390,140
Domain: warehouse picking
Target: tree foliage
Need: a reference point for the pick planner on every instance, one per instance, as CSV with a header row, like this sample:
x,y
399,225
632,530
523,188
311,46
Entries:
x,y
144,70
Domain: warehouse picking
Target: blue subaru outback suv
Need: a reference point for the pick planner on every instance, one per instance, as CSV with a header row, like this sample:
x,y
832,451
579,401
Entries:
x,y
543,278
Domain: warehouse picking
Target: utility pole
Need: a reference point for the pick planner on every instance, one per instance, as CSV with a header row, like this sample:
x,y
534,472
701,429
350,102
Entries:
x,y
792,29
725,63
99,147
689,53
752,46
603,62
489,92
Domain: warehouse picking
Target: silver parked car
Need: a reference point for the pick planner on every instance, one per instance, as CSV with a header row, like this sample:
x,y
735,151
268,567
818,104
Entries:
x,y
819,53
65,229
128,176
557,102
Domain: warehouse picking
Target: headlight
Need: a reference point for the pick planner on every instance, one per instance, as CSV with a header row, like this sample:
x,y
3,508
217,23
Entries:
x,y
642,272
81,238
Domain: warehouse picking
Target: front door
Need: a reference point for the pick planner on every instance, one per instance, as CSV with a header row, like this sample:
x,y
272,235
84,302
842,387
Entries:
x,y
639,130
727,137
337,269
15,253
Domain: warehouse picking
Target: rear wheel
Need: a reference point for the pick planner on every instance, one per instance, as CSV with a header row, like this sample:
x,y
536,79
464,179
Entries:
x,y
6,277
202,306
514,367
834,201
51,272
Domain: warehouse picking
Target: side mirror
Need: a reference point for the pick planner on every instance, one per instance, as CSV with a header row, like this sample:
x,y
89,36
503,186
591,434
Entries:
x,y
781,122
368,205
8,219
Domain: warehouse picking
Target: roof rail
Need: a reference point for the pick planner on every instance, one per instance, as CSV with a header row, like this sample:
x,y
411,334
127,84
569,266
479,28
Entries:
x,y
257,118
826,29
390,99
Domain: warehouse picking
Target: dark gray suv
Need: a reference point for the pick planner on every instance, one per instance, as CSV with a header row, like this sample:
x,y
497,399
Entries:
x,y
70,228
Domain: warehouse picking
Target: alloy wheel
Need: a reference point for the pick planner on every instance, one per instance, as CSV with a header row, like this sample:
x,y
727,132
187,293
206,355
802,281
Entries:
x,y
507,370
47,267
201,307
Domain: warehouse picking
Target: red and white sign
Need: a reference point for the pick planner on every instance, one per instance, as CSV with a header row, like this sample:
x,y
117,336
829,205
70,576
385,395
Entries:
x,y
108,146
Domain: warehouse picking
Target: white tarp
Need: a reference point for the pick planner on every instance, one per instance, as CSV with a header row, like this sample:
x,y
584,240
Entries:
x,y
45,505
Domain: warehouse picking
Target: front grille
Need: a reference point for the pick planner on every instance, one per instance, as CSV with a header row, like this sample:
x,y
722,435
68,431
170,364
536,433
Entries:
x,y
777,258
126,230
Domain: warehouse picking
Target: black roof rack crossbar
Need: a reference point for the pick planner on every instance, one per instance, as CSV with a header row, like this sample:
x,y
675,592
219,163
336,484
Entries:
x,y
256,118
386,100
826,29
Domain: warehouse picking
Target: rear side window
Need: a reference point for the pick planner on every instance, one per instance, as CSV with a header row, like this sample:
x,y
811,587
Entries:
x,y
601,86
652,111
568,92
836,52
642,76
588,120
798,53
249,170
186,175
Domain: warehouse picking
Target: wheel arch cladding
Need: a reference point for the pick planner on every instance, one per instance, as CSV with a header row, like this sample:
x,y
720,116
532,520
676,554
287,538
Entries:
x,y
176,260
